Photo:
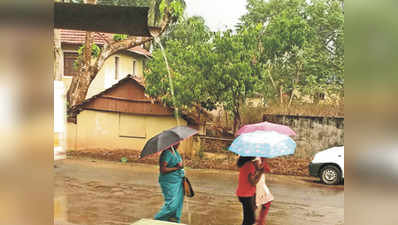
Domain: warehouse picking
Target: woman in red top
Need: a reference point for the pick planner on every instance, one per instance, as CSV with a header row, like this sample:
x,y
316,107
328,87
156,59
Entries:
x,y
248,178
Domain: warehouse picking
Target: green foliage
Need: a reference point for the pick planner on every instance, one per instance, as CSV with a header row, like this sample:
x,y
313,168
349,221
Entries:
x,y
119,37
124,159
190,31
177,9
163,5
95,51
208,69
300,46
233,73
188,56
174,7
281,51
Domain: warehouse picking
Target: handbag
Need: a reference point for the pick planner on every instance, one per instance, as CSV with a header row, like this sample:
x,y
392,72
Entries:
x,y
188,191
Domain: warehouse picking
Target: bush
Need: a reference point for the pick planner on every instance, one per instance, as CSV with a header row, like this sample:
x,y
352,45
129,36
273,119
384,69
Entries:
x,y
307,109
252,114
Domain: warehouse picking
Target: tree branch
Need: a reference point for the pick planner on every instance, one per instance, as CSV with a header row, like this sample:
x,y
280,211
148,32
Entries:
x,y
128,43
114,47
295,82
103,37
270,77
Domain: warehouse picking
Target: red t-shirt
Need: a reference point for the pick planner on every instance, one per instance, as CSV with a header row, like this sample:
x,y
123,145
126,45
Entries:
x,y
245,188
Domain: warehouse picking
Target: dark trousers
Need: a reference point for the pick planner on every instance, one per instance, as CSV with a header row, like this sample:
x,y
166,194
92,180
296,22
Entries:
x,y
248,210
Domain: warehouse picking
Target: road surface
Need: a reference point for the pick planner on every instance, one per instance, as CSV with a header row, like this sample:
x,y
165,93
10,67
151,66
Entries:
x,y
89,192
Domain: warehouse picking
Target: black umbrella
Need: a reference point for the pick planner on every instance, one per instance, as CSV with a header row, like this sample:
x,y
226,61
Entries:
x,y
166,139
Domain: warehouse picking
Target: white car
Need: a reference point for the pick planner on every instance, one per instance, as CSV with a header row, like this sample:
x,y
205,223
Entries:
x,y
328,165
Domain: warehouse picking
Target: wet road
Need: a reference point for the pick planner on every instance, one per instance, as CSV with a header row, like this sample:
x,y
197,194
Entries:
x,y
110,193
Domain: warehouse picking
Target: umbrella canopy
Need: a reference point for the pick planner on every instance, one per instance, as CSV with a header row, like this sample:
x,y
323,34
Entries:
x,y
267,144
166,139
266,126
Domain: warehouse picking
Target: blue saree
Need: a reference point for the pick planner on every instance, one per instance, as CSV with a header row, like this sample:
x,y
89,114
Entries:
x,y
172,188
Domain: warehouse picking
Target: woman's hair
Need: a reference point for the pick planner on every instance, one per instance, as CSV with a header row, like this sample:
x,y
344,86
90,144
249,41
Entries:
x,y
243,159
175,146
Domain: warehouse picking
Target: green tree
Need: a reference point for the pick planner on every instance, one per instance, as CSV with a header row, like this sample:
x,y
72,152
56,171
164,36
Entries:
x,y
233,79
188,50
190,31
300,46
280,48
208,69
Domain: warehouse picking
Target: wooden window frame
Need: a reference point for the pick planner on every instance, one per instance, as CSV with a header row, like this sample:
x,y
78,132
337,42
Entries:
x,y
64,64
117,62
134,67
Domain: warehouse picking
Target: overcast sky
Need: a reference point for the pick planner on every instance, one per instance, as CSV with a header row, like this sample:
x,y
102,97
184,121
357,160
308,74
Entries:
x,y
218,14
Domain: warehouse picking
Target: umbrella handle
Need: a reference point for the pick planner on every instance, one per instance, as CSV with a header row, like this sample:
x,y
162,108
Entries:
x,y
174,152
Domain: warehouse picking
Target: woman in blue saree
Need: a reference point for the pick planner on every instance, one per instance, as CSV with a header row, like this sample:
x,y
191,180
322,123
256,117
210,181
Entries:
x,y
170,180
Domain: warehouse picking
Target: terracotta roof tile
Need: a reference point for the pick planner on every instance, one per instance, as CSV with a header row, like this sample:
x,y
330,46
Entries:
x,y
78,37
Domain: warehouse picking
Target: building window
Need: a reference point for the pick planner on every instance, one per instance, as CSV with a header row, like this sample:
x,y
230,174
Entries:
x,y
116,67
134,66
69,59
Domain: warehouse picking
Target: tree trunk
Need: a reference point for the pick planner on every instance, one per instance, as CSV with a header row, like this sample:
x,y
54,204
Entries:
x,y
87,72
291,97
237,120
199,112
226,118
270,77
273,83
79,87
295,83
81,82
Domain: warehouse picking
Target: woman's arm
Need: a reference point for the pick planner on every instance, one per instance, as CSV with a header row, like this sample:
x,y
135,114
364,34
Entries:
x,y
164,169
267,168
255,178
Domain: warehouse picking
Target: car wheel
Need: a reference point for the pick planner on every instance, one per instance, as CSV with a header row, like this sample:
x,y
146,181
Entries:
x,y
330,175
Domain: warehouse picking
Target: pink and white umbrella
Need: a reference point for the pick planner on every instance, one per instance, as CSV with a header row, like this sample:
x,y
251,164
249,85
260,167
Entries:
x,y
266,126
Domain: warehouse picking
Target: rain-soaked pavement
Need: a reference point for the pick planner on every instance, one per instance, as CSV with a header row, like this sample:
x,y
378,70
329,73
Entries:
x,y
110,193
